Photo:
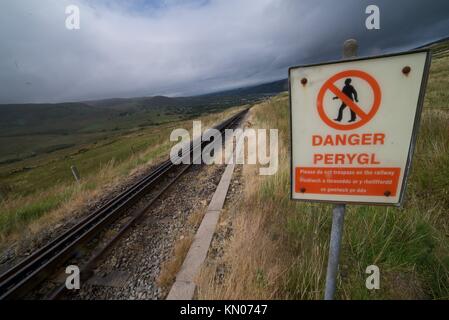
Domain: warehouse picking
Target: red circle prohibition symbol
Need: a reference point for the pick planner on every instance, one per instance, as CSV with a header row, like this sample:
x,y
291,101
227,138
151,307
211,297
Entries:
x,y
364,117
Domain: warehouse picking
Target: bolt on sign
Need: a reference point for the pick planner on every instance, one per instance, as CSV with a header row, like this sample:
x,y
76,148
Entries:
x,y
354,125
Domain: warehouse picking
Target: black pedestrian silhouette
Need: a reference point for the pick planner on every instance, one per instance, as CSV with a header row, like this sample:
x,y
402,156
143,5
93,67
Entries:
x,y
351,93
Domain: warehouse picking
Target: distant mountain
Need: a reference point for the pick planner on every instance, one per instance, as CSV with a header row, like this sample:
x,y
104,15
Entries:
x,y
270,88
60,118
107,114
135,103
432,44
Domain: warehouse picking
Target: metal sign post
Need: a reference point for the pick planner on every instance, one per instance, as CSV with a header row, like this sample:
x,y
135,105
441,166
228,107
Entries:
x,y
338,215
338,219
75,173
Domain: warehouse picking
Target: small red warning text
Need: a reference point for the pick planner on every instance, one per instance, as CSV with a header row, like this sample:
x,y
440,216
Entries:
x,y
344,181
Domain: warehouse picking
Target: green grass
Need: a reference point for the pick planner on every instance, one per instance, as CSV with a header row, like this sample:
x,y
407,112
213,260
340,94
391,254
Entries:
x,y
280,247
32,130
437,95
12,219
88,159
410,245
44,187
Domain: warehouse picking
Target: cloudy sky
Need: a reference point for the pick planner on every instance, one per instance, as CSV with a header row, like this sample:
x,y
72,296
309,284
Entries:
x,y
148,47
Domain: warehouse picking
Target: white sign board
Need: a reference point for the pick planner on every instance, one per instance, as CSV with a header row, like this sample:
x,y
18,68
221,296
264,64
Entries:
x,y
353,127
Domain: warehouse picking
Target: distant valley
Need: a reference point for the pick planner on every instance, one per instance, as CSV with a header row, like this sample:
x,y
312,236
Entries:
x,y
27,130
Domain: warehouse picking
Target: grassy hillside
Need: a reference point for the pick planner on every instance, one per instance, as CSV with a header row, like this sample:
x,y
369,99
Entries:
x,y
40,191
33,130
279,247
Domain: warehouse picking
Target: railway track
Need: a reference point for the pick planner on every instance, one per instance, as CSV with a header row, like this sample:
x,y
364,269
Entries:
x,y
33,270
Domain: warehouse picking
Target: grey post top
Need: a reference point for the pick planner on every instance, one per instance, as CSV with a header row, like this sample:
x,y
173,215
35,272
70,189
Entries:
x,y
350,48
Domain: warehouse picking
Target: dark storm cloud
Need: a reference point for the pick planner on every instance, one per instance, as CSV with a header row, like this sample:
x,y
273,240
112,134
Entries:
x,y
127,48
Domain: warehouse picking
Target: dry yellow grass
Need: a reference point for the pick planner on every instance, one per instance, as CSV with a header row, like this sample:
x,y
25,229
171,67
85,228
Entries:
x,y
279,247
170,268
254,257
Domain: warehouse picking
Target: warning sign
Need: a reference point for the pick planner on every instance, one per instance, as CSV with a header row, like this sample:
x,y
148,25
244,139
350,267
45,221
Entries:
x,y
353,126
347,95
